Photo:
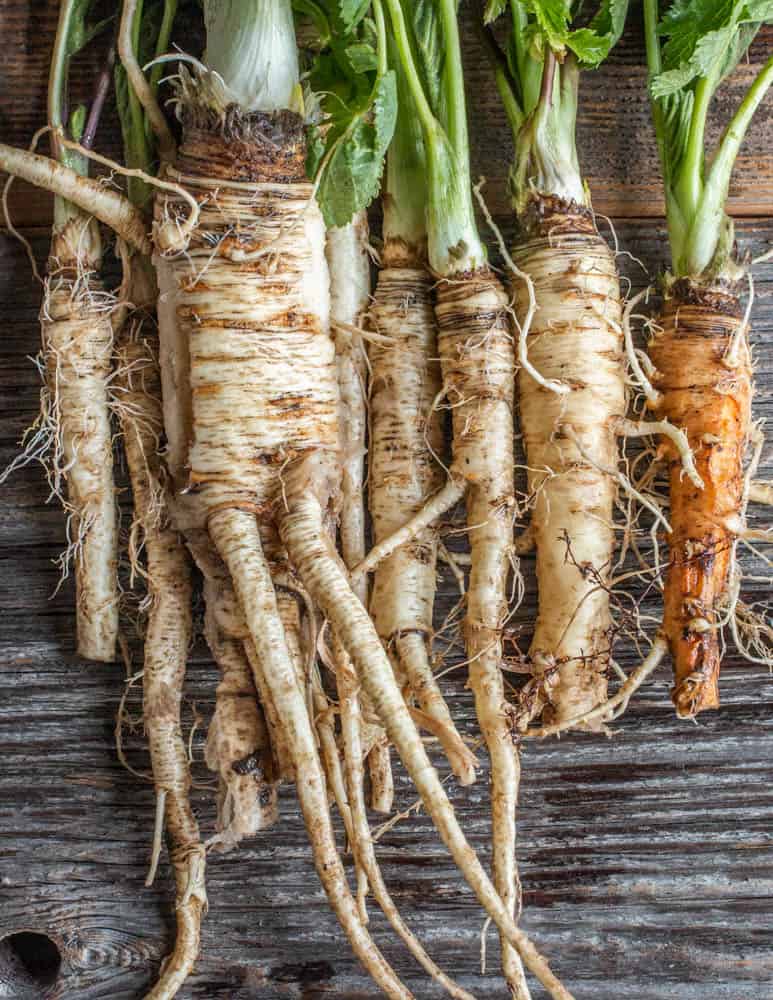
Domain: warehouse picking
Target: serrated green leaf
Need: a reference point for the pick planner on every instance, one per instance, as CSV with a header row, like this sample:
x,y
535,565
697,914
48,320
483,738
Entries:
x,y
352,12
610,20
362,57
352,176
706,38
591,49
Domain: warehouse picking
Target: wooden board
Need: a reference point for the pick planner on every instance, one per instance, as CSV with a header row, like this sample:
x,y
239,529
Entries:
x,y
647,859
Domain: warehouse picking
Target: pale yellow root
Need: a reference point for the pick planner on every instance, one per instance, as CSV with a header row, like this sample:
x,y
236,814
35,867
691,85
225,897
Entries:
x,y
137,395
262,387
362,842
615,705
92,197
307,489
476,355
405,436
571,441
760,492
77,349
238,747
236,537
348,259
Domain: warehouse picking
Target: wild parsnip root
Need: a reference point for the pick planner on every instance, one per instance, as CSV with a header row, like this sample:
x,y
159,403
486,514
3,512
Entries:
x,y
307,493
263,388
476,356
701,352
348,261
77,351
575,338
137,399
405,438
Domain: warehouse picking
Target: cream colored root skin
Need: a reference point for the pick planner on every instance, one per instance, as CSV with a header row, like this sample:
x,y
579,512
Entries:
x,y
308,487
362,842
263,388
576,337
238,747
406,435
137,395
77,339
348,259
477,359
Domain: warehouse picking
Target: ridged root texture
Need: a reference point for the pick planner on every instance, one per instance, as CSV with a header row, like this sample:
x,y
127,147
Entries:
x,y
137,392
302,528
405,432
251,304
477,361
77,340
575,338
705,377
349,264
238,747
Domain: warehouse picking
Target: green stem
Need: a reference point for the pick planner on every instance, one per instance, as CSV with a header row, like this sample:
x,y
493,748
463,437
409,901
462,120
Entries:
x,y
412,78
689,184
721,168
453,73
162,45
709,241
383,56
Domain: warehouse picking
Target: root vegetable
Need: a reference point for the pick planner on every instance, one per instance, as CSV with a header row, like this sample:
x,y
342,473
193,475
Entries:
x,y
701,351
572,378
249,307
168,566
570,439
349,266
406,438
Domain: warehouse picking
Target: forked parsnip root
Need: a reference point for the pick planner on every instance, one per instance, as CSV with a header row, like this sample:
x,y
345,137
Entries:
x,y
477,366
235,534
137,399
252,343
348,258
307,492
571,445
701,353
77,347
406,435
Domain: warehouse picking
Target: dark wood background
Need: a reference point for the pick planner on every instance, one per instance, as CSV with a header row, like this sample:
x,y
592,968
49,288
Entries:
x,y
646,859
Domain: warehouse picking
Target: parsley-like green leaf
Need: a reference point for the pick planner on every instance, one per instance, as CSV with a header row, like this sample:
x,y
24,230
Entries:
x,y
352,176
352,12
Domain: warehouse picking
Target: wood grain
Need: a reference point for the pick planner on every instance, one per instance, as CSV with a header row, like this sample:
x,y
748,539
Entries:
x,y
647,859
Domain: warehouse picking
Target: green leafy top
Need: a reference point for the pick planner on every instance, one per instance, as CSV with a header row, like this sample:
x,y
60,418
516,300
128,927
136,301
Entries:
x,y
537,74
426,46
150,38
357,97
691,49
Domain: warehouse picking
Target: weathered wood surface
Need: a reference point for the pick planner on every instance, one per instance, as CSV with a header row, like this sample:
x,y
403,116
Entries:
x,y
647,860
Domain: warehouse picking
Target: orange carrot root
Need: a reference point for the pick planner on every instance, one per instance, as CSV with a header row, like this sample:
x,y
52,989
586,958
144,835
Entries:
x,y
704,376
